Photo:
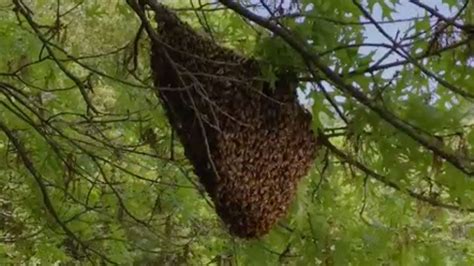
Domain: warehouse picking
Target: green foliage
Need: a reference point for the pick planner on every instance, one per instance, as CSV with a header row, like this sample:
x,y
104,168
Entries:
x,y
119,182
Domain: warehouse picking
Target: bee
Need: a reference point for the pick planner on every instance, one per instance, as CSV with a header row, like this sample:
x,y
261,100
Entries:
x,y
248,151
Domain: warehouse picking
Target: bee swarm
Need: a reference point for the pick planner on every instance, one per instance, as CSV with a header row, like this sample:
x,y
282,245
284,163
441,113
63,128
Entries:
x,y
249,145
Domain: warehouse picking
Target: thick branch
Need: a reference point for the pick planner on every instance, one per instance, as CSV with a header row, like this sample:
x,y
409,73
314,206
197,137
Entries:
x,y
314,63
385,180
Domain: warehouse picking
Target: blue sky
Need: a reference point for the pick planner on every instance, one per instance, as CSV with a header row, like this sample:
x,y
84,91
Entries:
x,y
405,11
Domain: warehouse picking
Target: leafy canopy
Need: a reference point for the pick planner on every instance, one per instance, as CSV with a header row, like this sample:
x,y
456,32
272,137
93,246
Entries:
x,y
91,172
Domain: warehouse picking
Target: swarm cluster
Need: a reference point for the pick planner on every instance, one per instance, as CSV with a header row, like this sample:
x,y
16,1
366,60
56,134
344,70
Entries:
x,y
249,142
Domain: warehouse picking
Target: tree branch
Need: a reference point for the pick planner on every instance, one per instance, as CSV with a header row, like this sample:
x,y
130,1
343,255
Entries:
x,y
23,154
315,63
385,180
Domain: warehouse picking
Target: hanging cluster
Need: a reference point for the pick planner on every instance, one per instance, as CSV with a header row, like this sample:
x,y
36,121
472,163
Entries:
x,y
249,142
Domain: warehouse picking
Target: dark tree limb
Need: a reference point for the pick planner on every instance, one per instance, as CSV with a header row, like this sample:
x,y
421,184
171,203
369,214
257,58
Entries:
x,y
314,64
385,180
